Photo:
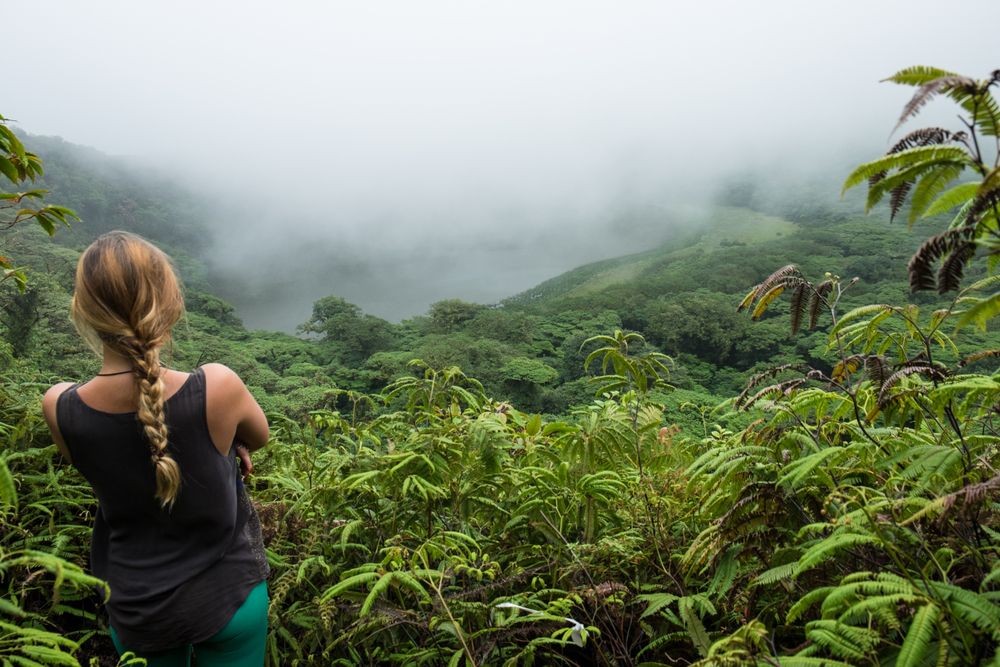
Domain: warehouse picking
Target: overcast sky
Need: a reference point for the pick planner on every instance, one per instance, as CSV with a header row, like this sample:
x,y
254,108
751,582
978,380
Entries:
x,y
365,128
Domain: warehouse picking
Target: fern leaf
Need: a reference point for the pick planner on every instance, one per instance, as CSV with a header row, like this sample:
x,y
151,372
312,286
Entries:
x,y
831,636
918,638
831,546
878,369
808,600
808,661
898,197
906,175
972,607
920,266
797,306
381,586
817,300
980,313
347,584
725,572
931,88
657,601
930,186
766,300
779,276
8,491
694,626
859,312
949,276
918,75
902,160
977,356
778,573
845,368
957,196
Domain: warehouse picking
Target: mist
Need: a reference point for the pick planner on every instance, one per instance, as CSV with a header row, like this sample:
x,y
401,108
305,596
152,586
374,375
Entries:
x,y
397,154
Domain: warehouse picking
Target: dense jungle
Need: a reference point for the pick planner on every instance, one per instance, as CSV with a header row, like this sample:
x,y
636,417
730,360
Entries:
x,y
770,441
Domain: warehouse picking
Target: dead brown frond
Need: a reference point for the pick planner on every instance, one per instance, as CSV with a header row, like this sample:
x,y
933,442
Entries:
x,y
977,356
768,374
921,265
897,198
927,91
817,300
931,372
878,368
797,305
779,276
949,276
972,494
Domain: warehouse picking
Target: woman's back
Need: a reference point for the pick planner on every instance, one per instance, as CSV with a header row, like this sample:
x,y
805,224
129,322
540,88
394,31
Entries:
x,y
175,534
177,575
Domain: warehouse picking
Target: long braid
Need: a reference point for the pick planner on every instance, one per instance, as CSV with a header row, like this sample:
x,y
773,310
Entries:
x,y
149,380
128,299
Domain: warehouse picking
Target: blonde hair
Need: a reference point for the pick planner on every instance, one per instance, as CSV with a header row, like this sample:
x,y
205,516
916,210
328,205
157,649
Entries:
x,y
128,298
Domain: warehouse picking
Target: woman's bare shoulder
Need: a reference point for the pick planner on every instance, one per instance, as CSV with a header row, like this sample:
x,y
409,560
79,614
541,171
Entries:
x,y
222,378
53,394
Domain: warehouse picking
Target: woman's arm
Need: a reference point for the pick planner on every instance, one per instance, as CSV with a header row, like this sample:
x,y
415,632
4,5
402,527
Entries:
x,y
231,410
49,410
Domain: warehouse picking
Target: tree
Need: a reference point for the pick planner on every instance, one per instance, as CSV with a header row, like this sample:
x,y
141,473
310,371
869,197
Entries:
x,y
448,314
347,332
18,166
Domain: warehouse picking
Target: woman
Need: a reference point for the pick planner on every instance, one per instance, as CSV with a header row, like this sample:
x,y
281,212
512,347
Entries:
x,y
174,535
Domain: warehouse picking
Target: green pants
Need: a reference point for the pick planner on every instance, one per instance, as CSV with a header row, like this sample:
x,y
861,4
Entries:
x,y
239,644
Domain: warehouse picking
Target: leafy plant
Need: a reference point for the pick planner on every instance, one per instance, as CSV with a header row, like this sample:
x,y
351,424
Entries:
x,y
18,165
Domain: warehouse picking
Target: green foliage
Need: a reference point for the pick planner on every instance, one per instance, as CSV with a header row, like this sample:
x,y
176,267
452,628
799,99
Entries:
x,y
18,165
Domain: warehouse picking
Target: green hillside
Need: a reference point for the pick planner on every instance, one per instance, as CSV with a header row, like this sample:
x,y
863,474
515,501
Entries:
x,y
720,227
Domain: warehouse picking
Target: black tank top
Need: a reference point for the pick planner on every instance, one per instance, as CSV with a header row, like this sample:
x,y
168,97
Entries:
x,y
178,576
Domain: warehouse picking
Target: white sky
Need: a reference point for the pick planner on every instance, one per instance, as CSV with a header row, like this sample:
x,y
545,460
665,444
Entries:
x,y
381,121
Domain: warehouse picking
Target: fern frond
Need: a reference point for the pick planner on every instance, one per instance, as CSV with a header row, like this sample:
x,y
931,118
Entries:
x,y
930,186
846,367
747,300
918,75
766,375
977,356
809,599
859,312
972,607
797,306
920,266
926,155
894,379
766,300
898,197
949,276
877,366
918,639
817,300
980,313
928,90
831,546
956,196
842,640
779,276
